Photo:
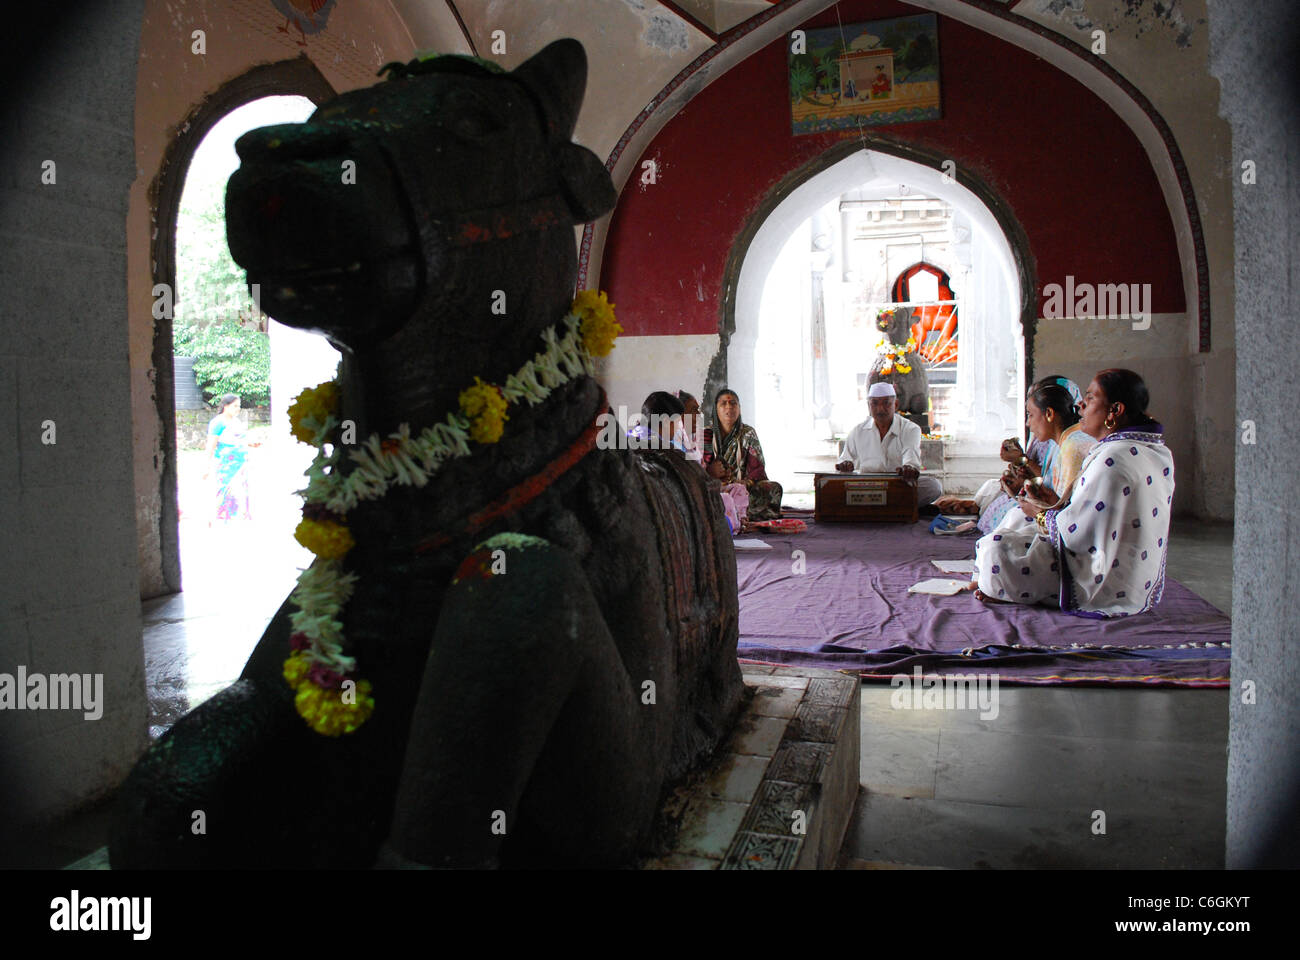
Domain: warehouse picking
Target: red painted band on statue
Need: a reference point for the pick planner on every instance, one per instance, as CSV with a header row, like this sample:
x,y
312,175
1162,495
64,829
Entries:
x,y
528,490
485,226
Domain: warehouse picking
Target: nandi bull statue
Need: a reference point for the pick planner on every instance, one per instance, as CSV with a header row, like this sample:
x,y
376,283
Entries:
x,y
513,639
898,363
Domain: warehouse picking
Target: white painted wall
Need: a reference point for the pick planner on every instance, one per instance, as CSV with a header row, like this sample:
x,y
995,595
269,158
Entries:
x,y
298,360
638,366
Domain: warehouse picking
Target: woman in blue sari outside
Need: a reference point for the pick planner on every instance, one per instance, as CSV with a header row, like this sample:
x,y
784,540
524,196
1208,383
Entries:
x,y
228,452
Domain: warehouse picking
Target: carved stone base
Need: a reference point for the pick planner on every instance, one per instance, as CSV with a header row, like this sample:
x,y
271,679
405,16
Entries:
x,y
782,792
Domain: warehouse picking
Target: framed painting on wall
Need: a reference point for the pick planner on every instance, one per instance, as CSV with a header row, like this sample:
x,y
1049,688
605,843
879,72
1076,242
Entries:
x,y
865,74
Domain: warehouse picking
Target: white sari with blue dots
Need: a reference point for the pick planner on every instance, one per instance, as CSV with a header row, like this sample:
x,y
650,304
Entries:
x,y
1104,553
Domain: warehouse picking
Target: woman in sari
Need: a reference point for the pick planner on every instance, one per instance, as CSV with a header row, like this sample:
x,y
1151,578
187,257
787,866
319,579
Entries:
x,y
735,498
734,456
228,451
1103,553
1053,419
996,499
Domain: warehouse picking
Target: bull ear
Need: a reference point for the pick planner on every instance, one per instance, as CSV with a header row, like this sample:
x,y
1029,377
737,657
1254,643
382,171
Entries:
x,y
586,183
558,78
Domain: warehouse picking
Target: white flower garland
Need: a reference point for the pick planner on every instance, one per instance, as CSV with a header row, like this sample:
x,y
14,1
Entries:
x,y
402,460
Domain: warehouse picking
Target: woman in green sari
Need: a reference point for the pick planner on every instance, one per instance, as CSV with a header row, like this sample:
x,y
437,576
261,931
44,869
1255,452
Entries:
x,y
733,455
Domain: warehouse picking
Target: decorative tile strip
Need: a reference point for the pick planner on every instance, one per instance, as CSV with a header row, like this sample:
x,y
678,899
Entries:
x,y
799,761
774,807
753,851
838,691
821,722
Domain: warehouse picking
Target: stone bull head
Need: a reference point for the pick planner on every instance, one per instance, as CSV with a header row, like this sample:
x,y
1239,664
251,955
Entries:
x,y
421,210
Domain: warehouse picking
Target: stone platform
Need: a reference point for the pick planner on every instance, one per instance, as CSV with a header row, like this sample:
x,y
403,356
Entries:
x,y
781,794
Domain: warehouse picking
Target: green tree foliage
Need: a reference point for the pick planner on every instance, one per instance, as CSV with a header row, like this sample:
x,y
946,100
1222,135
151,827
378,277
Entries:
x,y
828,68
815,76
229,358
215,319
801,77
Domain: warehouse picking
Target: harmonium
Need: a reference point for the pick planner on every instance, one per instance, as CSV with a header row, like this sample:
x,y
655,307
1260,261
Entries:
x,y
864,497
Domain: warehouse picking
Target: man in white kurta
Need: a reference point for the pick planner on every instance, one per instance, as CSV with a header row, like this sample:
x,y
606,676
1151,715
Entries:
x,y
888,443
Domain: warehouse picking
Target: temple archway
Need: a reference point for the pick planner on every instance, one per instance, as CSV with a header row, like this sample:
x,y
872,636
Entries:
x,y
792,262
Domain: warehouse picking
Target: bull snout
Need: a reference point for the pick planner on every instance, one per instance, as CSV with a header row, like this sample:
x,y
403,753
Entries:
x,y
316,217
290,141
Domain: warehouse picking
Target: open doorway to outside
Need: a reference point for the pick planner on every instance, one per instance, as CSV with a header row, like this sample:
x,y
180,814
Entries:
x,y
238,467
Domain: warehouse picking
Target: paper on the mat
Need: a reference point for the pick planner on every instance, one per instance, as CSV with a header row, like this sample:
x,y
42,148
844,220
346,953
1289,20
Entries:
x,y
939,586
751,545
955,566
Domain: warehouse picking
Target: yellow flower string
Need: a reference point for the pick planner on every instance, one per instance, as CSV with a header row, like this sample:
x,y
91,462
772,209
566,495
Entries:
x,y
599,328
331,712
894,356
325,538
485,408
295,670
311,409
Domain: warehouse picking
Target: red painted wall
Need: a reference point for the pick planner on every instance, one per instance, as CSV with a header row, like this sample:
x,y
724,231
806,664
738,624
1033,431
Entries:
x,y
1067,167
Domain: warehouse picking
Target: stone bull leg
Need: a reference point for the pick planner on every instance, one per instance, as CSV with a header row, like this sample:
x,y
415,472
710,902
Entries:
x,y
530,742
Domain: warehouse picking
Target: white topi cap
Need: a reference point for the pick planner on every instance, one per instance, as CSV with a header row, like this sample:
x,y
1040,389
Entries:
x,y
881,389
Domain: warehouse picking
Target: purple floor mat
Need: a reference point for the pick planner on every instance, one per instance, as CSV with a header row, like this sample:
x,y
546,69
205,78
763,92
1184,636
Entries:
x,y
849,609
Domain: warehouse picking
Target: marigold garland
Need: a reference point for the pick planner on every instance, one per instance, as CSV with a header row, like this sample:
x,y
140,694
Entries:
x,y
894,356
599,328
295,670
327,694
310,411
325,538
485,408
330,709
329,713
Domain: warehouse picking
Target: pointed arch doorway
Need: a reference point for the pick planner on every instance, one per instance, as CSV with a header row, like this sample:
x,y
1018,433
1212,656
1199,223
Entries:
x,y
794,343
237,571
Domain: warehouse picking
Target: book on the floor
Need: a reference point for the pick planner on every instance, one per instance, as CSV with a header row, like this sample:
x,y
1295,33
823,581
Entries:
x,y
751,544
955,566
939,586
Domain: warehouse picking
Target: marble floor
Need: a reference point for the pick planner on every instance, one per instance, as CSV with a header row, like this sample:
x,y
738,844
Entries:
x,y
939,788
943,788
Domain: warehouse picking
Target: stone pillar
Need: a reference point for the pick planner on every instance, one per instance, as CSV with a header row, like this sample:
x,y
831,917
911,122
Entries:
x,y
1253,55
69,582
